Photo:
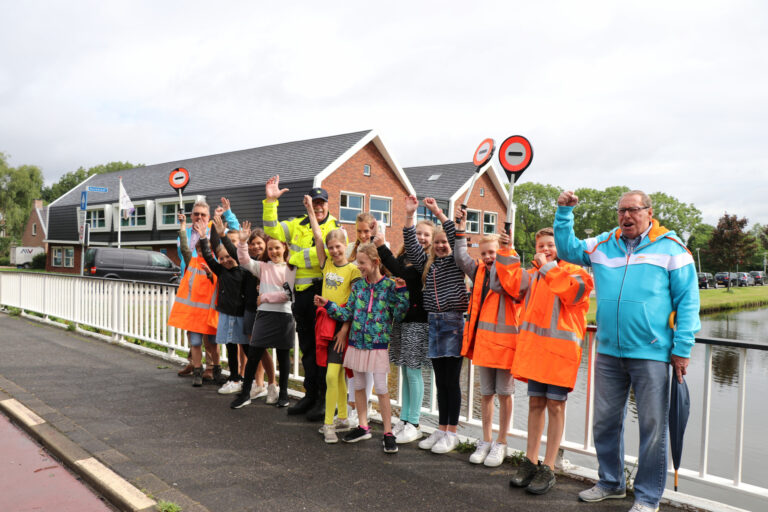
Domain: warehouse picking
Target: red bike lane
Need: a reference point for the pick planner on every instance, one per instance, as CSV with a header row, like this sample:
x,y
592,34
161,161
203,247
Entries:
x,y
32,480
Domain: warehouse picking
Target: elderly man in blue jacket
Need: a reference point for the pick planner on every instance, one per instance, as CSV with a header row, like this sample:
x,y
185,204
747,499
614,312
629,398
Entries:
x,y
646,283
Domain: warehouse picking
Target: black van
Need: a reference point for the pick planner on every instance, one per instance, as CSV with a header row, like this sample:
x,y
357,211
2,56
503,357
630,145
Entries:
x,y
130,264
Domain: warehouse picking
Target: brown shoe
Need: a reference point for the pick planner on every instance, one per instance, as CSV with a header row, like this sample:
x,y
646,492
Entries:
x,y
208,375
187,370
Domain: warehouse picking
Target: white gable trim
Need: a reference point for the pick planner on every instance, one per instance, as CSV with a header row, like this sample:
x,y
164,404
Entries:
x,y
65,194
496,179
43,222
371,136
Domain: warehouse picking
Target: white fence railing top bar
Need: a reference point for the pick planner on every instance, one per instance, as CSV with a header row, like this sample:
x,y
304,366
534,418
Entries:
x,y
138,310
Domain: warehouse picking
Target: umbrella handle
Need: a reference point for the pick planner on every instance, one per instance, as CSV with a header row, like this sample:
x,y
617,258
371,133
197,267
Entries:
x,y
675,480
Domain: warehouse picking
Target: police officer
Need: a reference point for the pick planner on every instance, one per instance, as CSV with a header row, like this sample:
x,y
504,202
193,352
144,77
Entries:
x,y
297,233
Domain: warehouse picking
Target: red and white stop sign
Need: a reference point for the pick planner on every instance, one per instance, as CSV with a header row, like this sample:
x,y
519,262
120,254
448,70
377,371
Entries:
x,y
515,154
483,153
179,178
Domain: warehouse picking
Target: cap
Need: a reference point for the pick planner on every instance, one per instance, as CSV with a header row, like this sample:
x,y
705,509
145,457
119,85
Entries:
x,y
319,193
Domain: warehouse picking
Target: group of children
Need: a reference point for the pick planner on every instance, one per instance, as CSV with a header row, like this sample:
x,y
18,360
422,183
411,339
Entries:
x,y
522,324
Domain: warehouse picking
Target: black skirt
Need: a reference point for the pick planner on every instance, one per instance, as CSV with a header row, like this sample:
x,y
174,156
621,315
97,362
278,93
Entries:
x,y
273,330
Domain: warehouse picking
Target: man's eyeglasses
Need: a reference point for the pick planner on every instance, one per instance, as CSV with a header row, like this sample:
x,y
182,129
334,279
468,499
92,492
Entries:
x,y
198,214
631,211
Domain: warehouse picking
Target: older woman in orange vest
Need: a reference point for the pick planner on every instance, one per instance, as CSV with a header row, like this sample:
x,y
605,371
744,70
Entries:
x,y
552,325
489,341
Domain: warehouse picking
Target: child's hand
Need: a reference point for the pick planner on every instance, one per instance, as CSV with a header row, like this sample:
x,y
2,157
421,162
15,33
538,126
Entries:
x,y
308,205
340,338
258,301
461,219
399,282
320,301
219,211
225,203
411,205
219,225
539,260
504,239
378,240
182,220
273,189
199,226
245,231
431,205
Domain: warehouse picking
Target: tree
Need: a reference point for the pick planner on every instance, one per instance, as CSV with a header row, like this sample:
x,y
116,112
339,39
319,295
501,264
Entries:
x,y
71,179
19,187
536,205
596,209
675,215
730,245
698,244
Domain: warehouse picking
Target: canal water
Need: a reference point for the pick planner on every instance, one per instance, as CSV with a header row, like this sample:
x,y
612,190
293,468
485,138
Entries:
x,y
748,325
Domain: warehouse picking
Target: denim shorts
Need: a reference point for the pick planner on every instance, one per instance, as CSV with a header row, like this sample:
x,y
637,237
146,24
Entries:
x,y
550,391
446,331
195,339
495,381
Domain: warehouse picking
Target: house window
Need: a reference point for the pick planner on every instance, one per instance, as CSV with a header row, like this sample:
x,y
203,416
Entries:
x,y
366,170
482,192
63,257
489,223
34,229
96,218
350,206
423,213
166,210
137,218
473,221
380,208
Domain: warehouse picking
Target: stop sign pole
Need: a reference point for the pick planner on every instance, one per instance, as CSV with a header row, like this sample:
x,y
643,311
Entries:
x,y
482,156
178,179
515,155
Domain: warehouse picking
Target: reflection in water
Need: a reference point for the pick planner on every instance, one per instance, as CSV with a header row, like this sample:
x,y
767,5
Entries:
x,y
725,366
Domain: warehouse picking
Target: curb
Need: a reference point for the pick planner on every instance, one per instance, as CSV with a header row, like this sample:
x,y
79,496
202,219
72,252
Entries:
x,y
118,491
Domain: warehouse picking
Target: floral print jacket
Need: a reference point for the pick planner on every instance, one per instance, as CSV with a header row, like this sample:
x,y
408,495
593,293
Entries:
x,y
372,308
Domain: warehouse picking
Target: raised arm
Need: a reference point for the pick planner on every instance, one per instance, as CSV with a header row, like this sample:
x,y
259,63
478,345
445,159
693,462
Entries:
x,y
186,253
243,258
272,227
205,249
412,248
316,232
569,248
228,215
460,254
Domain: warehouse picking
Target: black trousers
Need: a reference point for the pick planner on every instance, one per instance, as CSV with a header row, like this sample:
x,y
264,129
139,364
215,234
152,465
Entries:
x,y
304,314
283,362
448,382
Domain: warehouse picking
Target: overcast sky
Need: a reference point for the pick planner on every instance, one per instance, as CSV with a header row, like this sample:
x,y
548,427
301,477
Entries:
x,y
662,96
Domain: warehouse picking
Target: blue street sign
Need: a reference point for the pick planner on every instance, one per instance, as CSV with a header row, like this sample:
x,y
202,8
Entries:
x,y
83,200
98,189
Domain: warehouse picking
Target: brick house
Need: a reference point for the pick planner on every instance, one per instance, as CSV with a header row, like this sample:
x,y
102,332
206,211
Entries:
x,y
448,184
356,169
36,227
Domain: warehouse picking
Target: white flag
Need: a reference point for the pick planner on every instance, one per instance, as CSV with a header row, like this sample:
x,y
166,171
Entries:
x,y
126,205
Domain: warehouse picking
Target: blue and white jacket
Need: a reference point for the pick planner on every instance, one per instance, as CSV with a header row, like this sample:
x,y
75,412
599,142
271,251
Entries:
x,y
638,291
230,220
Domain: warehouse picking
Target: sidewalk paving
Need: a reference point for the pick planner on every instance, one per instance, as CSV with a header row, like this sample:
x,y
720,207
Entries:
x,y
185,444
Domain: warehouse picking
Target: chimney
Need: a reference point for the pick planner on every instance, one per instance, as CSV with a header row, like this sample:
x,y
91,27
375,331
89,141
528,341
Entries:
x,y
38,204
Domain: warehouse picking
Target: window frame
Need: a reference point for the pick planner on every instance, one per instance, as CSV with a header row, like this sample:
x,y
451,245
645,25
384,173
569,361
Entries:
x,y
106,210
149,214
373,212
495,223
477,222
65,255
366,170
362,205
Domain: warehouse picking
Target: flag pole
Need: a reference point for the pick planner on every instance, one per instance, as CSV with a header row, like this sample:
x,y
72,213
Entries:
x,y
119,210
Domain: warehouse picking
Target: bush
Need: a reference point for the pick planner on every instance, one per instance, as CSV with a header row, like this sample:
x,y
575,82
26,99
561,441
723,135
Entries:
x,y
38,260
5,261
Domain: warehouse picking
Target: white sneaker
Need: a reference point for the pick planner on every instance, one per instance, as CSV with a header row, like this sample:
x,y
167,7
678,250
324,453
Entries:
x,y
272,394
408,434
352,417
329,434
397,429
257,391
338,424
446,444
434,437
481,452
230,387
496,456
639,507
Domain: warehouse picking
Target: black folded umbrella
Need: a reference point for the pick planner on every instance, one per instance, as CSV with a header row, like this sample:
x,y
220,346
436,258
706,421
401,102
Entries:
x,y
679,409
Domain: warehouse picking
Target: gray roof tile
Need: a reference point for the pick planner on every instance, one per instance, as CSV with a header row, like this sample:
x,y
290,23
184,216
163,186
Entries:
x,y
451,178
293,161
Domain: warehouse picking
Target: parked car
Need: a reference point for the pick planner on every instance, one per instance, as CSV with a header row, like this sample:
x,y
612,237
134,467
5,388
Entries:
x,y
722,278
745,279
707,280
758,276
130,264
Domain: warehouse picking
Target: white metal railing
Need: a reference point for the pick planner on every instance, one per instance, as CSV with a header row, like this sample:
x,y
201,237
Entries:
x,y
127,309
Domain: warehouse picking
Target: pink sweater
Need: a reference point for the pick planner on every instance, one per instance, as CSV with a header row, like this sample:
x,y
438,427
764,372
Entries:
x,y
271,278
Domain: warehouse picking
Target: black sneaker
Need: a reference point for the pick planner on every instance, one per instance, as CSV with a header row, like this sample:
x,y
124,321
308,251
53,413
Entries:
x,y
543,480
282,402
241,400
317,412
389,443
524,475
358,434
302,406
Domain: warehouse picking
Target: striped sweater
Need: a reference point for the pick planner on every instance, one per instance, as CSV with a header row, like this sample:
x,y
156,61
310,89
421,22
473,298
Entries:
x,y
451,292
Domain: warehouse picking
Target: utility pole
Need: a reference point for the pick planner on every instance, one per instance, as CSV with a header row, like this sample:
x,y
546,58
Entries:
x,y
698,256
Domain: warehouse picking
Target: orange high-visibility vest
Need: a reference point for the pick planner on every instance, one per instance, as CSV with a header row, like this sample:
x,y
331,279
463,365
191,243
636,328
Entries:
x,y
195,306
491,332
553,321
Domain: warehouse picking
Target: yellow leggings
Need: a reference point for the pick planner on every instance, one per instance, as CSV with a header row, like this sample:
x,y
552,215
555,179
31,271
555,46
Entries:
x,y
336,395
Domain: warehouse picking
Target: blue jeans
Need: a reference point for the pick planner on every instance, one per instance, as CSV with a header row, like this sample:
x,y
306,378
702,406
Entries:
x,y
650,381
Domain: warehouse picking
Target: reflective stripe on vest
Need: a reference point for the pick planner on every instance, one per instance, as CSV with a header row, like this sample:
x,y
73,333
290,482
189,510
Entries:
x,y
500,326
552,331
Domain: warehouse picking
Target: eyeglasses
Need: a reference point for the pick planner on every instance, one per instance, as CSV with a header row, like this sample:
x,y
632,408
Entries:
x,y
631,211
